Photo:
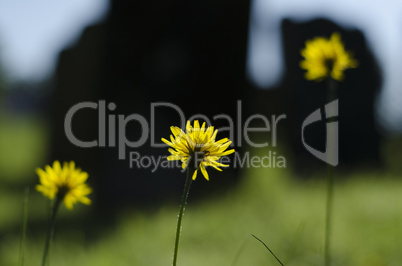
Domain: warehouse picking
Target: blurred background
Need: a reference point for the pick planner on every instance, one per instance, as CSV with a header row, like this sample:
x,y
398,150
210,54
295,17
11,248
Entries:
x,y
204,57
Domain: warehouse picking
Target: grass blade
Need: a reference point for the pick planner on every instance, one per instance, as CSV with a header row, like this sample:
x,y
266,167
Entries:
x,y
268,249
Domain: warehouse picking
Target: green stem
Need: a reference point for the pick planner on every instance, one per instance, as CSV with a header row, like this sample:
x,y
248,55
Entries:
x,y
24,226
330,190
186,191
331,96
51,229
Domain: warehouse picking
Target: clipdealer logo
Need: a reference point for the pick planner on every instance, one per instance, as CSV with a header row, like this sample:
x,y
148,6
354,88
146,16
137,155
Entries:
x,y
109,137
330,155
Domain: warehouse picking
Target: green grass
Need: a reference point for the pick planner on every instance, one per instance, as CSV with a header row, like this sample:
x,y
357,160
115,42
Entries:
x,y
23,143
287,214
22,149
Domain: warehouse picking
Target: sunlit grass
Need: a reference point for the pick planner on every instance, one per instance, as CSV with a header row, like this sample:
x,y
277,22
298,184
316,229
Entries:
x,y
22,147
23,144
272,204
286,213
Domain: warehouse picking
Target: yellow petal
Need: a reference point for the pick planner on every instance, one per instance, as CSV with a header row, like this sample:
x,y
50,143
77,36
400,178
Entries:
x,y
195,174
85,200
204,171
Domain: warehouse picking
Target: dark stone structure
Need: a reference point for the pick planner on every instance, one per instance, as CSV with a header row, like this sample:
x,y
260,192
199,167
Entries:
x,y
359,138
191,54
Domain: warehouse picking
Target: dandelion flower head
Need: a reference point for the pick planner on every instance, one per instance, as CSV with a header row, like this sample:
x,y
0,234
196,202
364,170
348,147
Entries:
x,y
324,57
65,182
197,146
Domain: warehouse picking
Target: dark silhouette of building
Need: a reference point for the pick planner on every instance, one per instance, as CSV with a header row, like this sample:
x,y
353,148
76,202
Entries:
x,y
191,54
359,138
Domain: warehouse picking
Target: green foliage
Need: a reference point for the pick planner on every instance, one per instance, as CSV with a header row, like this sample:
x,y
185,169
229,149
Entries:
x,y
288,214
23,142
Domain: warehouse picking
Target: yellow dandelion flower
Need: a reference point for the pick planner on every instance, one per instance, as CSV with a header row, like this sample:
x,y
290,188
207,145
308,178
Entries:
x,y
325,57
67,183
197,146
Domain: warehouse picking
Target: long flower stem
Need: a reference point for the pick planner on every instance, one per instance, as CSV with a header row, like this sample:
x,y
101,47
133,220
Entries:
x,y
50,229
331,96
24,226
330,189
183,203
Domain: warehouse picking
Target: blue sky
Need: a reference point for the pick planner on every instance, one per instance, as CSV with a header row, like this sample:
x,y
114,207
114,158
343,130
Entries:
x,y
32,32
381,22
